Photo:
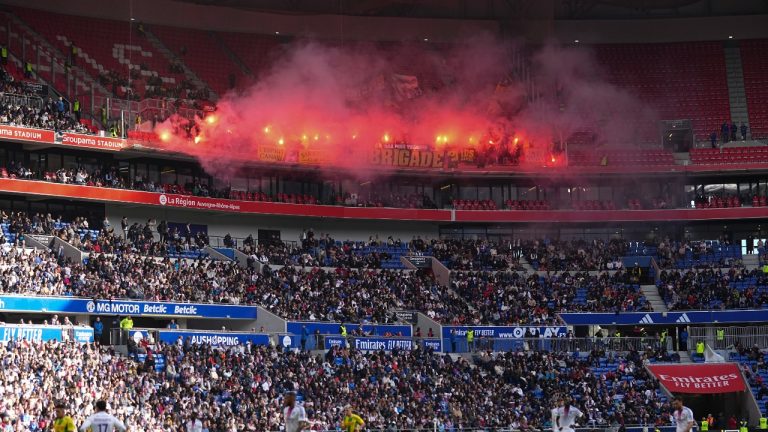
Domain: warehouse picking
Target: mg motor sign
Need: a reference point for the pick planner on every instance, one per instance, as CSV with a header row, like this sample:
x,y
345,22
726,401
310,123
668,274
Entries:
x,y
16,303
128,308
707,378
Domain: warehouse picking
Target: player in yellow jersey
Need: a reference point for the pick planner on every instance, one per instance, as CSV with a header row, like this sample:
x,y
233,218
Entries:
x,y
63,422
352,422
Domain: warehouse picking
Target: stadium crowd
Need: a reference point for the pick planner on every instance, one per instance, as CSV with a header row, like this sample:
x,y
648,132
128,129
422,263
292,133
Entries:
x,y
512,298
140,262
340,294
347,295
471,254
239,388
675,254
575,255
20,105
713,287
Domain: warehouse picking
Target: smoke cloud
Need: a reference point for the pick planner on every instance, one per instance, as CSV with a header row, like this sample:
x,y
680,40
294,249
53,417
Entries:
x,y
333,104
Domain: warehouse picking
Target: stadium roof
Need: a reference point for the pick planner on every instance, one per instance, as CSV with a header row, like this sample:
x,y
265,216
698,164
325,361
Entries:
x,y
500,9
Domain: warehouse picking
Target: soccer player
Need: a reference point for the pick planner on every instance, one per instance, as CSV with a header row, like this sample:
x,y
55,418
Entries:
x,y
352,422
682,416
63,422
102,421
295,416
564,417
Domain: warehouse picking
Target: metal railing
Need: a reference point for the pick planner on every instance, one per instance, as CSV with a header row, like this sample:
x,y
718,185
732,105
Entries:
x,y
21,100
624,344
125,112
747,336
218,241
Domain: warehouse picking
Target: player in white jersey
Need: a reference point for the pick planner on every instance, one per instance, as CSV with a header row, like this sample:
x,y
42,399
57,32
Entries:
x,y
564,416
102,421
294,415
682,416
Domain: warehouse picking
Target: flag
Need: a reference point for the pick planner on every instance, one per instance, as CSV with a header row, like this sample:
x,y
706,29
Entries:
x,y
710,356
405,86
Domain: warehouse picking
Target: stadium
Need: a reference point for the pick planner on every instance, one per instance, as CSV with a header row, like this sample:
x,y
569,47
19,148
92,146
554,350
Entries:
x,y
384,215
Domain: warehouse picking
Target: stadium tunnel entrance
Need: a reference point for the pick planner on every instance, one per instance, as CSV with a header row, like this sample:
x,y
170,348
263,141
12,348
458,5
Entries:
x,y
717,393
720,407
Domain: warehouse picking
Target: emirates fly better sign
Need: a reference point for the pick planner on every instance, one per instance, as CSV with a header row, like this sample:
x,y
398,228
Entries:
x,y
705,378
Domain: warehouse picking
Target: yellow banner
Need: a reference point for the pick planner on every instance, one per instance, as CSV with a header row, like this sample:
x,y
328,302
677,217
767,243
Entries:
x,y
407,158
271,154
312,157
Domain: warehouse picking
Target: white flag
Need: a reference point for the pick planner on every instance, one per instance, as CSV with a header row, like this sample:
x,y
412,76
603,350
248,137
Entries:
x,y
710,356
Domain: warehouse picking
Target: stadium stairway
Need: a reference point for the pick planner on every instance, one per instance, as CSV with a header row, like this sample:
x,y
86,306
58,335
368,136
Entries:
x,y
754,385
172,58
232,56
651,293
220,254
737,95
38,40
751,262
38,241
526,265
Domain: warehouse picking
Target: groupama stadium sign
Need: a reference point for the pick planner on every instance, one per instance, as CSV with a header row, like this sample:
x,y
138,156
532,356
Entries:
x,y
67,139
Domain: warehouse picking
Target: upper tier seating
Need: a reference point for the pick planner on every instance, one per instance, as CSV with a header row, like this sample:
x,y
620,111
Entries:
x,y
474,205
619,157
198,50
256,51
729,155
671,76
104,46
754,62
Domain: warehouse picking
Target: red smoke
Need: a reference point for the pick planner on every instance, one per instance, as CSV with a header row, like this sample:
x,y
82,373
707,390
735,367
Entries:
x,y
341,102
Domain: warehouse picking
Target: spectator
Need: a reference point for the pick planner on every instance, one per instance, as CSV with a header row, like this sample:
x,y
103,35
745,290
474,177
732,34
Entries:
x,y
98,330
452,391
724,131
